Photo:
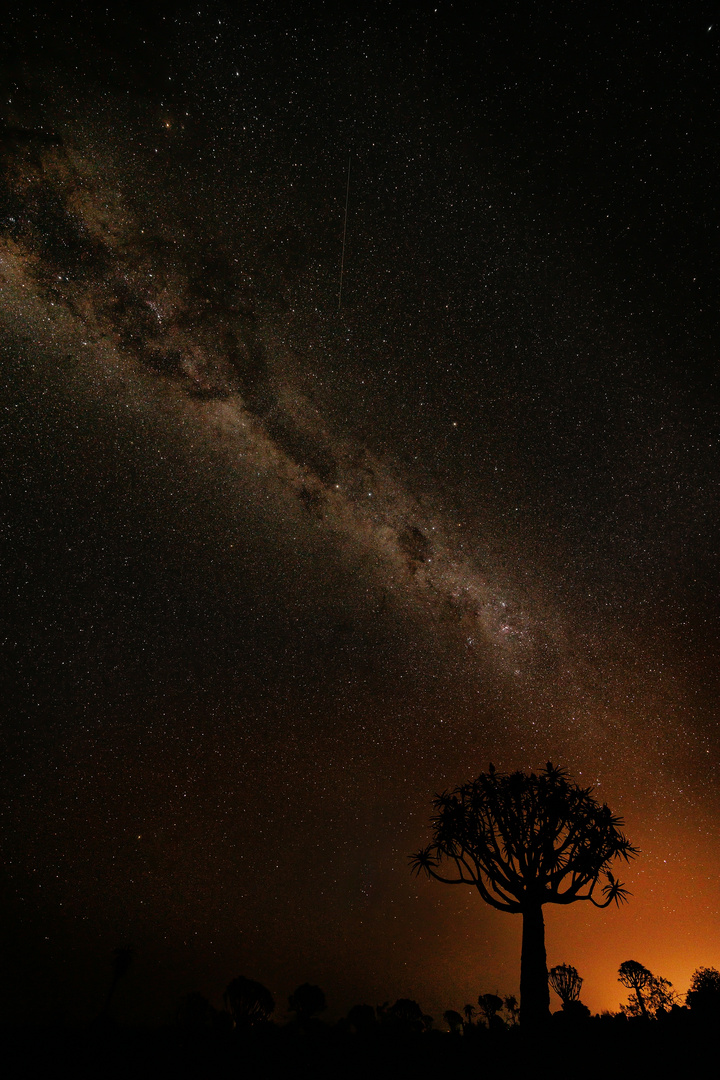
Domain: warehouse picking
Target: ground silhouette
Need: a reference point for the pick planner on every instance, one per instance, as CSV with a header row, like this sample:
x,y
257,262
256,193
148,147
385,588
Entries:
x,y
242,1039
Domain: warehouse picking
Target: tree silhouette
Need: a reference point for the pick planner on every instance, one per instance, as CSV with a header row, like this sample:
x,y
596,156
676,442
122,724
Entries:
x,y
122,959
512,1008
703,997
404,1016
250,1002
651,992
566,983
363,1019
635,977
306,1001
454,1021
194,1013
490,1006
523,842
660,996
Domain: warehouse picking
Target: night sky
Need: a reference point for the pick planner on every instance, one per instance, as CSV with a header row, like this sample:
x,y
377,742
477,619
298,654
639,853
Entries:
x,y
274,573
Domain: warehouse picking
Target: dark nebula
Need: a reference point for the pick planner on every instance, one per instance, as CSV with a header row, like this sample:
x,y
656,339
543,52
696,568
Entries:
x,y
275,572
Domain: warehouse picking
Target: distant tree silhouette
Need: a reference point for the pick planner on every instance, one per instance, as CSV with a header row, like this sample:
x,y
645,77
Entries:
x,y
523,842
490,1006
469,1011
404,1016
195,1013
636,977
512,1008
703,997
659,996
306,1001
651,993
566,983
362,1018
249,1002
122,959
453,1020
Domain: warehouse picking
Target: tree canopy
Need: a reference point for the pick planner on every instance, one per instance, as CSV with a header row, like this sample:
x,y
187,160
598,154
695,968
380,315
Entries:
x,y
306,1001
519,837
704,993
249,1002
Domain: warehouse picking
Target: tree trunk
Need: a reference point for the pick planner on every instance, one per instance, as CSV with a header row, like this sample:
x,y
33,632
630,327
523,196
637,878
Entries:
x,y
641,1002
534,991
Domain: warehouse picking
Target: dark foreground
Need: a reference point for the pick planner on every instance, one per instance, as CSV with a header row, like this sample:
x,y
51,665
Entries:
x,y
605,1046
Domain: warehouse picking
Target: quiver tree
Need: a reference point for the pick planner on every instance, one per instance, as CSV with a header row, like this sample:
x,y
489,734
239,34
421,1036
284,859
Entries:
x,y
490,1006
307,1001
362,1018
194,1013
454,1021
512,1008
523,842
403,1017
566,983
636,977
652,993
249,1002
122,961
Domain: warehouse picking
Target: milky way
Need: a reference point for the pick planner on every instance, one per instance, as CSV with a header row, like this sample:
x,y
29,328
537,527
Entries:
x,y
203,335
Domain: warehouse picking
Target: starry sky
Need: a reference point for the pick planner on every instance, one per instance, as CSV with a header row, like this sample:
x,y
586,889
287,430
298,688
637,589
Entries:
x,y
277,568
